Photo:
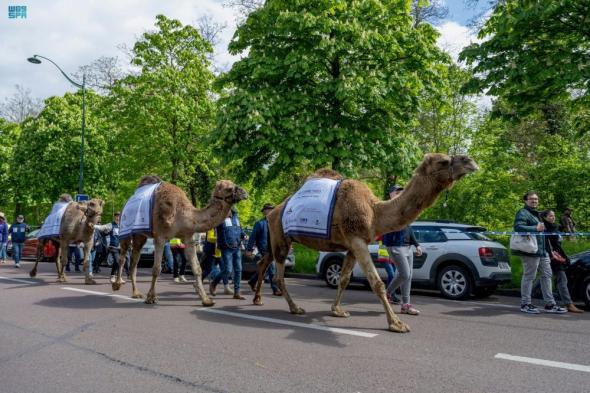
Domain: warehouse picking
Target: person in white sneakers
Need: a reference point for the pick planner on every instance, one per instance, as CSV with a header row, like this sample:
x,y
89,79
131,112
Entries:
x,y
179,258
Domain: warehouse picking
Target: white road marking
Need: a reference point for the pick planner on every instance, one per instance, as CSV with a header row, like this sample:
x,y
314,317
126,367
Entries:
x,y
17,280
542,362
290,323
101,294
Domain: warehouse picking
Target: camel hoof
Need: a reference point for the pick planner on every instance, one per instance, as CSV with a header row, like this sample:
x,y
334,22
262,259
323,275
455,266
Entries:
x,y
151,299
208,303
32,273
137,295
62,279
297,311
257,301
340,313
400,327
116,286
90,281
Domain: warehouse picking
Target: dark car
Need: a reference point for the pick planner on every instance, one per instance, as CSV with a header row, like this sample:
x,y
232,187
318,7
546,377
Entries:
x,y
578,276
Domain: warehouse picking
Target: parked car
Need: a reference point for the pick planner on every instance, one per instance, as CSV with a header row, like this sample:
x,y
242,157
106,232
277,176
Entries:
x,y
457,259
30,248
578,278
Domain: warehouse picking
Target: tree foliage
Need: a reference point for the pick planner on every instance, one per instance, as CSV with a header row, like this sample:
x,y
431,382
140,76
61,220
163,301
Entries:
x,y
327,83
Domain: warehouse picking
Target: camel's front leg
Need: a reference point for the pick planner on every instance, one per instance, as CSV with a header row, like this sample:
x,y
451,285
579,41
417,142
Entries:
x,y
158,251
136,254
261,268
191,255
85,266
63,258
361,251
347,266
38,255
280,280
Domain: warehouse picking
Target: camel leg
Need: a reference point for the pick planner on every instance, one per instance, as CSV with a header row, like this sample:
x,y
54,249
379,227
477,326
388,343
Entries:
x,y
191,255
136,254
38,256
62,261
123,248
347,266
158,251
88,280
261,267
361,251
280,280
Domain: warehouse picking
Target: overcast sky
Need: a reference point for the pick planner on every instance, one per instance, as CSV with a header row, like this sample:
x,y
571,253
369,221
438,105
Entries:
x,y
74,33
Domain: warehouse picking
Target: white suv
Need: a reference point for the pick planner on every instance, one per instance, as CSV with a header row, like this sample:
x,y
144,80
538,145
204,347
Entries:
x,y
457,259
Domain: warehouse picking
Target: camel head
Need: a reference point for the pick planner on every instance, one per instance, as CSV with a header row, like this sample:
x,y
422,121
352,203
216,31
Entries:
x,y
229,192
444,169
92,209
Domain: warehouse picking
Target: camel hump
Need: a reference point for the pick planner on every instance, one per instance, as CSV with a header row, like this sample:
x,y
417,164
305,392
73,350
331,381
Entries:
x,y
149,179
326,173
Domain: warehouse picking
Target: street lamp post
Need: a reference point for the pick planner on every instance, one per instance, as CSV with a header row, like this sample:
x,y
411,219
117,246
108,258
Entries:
x,y
35,60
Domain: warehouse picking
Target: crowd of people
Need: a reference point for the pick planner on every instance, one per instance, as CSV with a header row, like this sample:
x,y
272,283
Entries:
x,y
222,255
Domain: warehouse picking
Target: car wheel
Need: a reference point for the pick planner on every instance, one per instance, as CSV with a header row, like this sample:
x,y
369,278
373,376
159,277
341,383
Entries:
x,y
482,292
454,282
585,291
332,272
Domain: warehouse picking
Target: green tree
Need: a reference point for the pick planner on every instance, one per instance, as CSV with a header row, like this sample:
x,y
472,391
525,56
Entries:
x,y
8,135
325,83
46,157
164,112
535,52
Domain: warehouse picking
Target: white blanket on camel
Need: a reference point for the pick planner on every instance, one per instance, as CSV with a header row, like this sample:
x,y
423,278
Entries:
x,y
52,223
137,213
309,211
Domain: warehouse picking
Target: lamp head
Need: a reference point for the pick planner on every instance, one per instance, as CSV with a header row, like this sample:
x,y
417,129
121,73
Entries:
x,y
34,60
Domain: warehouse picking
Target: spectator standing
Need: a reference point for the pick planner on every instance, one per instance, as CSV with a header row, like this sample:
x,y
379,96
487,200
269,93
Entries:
x,y
229,239
168,259
553,244
17,233
399,247
179,259
260,239
567,223
527,220
75,256
3,237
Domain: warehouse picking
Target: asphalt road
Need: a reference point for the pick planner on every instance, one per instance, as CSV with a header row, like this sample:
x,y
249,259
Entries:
x,y
59,338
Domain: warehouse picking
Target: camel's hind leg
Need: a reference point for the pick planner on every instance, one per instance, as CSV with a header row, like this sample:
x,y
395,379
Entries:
x,y
158,251
347,266
361,252
261,268
38,256
191,255
138,242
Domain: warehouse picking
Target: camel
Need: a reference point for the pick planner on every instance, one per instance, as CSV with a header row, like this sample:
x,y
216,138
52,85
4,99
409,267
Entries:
x,y
174,216
77,225
359,216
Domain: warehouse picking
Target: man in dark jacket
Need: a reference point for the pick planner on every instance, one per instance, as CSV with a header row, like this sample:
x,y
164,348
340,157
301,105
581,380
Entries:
x,y
527,220
17,233
229,239
259,237
3,237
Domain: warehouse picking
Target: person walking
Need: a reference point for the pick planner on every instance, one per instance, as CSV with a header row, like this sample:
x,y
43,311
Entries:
x,y
18,232
567,223
211,255
112,229
527,220
559,262
260,239
399,247
229,239
3,237
179,258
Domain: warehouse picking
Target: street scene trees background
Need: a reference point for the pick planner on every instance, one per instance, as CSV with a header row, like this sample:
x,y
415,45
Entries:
x,y
360,87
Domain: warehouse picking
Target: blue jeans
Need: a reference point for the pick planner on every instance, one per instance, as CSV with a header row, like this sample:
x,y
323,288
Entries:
x,y
168,256
390,270
74,252
3,250
270,273
17,252
91,257
230,258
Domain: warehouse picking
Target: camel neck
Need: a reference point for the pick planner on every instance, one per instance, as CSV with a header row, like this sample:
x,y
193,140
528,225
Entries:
x,y
211,215
395,214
